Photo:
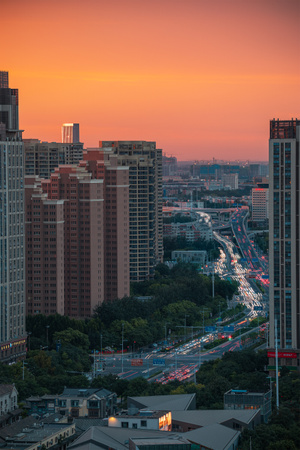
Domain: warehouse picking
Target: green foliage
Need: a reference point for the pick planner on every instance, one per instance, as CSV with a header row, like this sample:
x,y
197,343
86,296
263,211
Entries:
x,y
180,243
172,294
72,337
262,240
282,432
178,218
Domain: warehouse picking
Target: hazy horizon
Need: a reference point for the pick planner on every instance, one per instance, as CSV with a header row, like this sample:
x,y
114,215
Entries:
x,y
198,77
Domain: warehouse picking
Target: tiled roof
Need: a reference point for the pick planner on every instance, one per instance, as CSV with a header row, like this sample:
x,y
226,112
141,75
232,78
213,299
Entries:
x,y
6,388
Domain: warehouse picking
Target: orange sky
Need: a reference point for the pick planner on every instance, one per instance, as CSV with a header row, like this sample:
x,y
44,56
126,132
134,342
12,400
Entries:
x,y
200,77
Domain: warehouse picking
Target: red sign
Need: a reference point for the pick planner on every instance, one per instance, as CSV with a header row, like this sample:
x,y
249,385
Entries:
x,y
136,362
282,355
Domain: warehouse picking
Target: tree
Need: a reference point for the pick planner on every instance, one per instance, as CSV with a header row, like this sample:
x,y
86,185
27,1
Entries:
x,y
72,337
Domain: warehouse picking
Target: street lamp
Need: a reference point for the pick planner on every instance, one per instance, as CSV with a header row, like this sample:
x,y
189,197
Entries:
x,y
203,310
28,339
185,316
122,344
101,355
165,327
47,328
23,369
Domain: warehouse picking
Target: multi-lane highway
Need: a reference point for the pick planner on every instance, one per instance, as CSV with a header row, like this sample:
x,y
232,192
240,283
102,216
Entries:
x,y
180,364
183,362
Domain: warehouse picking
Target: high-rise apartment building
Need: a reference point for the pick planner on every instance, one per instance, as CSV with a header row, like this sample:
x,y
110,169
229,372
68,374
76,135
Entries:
x,y
260,204
70,133
12,256
77,237
41,158
169,165
284,253
145,203
230,180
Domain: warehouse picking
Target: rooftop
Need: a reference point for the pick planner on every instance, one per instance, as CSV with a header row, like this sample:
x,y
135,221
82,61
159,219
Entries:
x,y
204,418
171,403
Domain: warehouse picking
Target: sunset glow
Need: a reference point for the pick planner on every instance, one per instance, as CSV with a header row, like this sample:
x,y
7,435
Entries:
x,y
200,77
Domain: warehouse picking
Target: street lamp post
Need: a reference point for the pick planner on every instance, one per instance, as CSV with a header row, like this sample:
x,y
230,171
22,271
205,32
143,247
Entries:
x,y
28,339
47,329
213,279
165,327
101,357
203,310
122,343
185,316
23,370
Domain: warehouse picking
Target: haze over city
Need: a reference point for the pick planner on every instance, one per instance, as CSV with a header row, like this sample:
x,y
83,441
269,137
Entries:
x,y
201,78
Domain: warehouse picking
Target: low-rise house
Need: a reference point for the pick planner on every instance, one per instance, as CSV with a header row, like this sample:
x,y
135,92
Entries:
x,y
237,399
31,434
119,439
198,257
92,403
142,420
159,443
40,406
9,410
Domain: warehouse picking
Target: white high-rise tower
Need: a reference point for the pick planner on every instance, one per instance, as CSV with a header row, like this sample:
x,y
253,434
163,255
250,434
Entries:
x,y
12,257
284,253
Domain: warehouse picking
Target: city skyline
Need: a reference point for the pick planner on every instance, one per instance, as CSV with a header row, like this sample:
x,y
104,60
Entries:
x,y
202,79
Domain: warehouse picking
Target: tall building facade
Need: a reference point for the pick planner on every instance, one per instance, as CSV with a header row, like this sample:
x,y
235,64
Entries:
x,y
284,253
70,133
77,237
145,203
12,255
231,180
260,204
41,158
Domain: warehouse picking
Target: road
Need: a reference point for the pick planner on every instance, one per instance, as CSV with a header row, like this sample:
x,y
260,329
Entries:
x,y
186,358
183,363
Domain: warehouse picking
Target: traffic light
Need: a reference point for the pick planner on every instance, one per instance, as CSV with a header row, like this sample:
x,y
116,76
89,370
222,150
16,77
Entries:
x,y
230,337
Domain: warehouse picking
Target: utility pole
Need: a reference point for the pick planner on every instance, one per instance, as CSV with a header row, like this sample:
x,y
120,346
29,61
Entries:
x,y
101,357
94,363
213,279
47,328
276,359
199,355
185,316
165,327
23,369
122,343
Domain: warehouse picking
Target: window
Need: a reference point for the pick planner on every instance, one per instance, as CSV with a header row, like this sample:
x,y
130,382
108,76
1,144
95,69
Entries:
x,y
143,423
124,424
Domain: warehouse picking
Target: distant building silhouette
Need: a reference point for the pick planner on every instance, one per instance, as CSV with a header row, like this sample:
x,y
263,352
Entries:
x,y
70,133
